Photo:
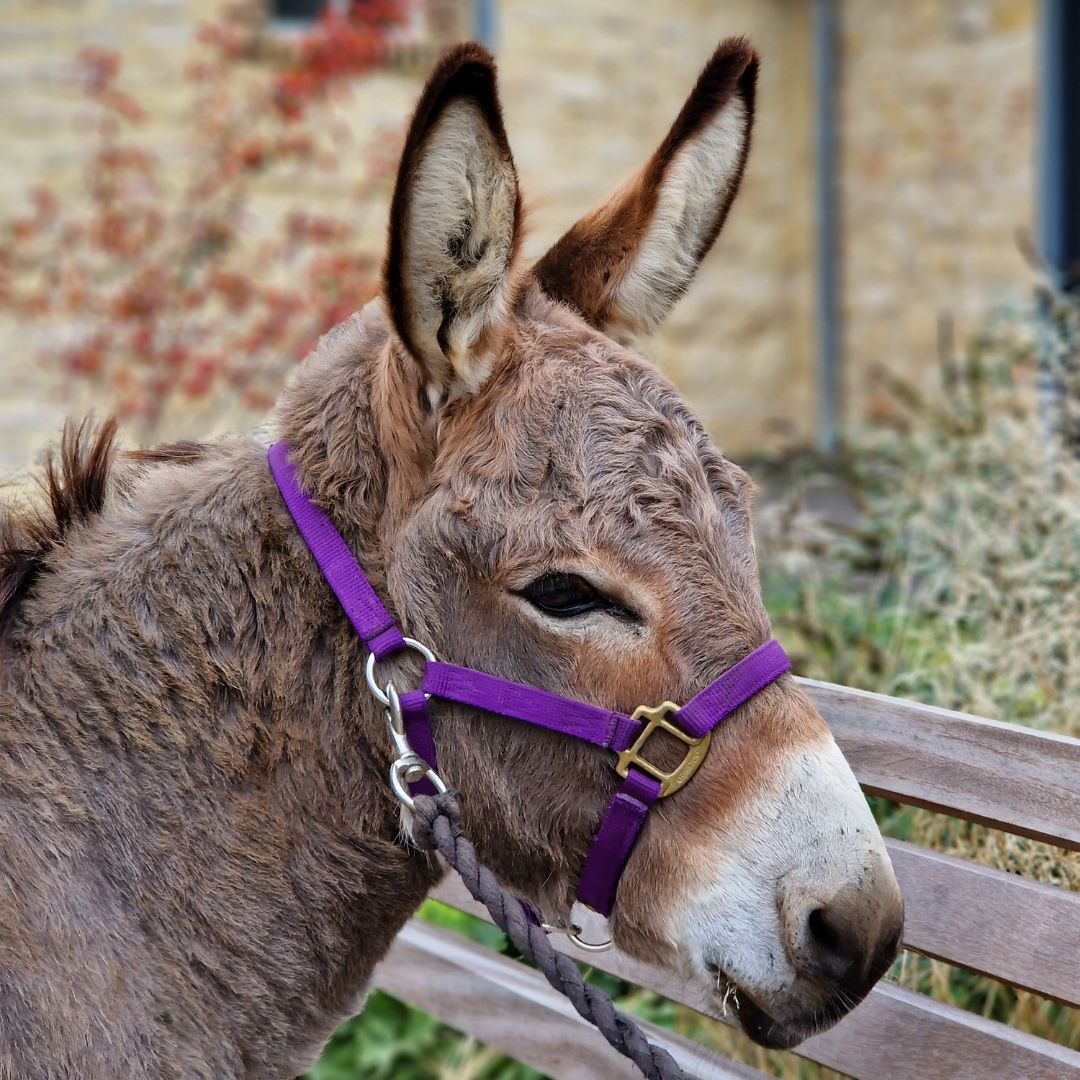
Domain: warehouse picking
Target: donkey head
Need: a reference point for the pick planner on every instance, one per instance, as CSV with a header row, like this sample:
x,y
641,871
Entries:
x,y
556,515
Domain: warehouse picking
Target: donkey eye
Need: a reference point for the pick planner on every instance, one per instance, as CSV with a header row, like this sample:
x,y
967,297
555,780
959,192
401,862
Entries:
x,y
564,595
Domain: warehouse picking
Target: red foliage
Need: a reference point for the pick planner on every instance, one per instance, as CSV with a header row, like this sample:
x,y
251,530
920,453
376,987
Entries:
x,y
159,288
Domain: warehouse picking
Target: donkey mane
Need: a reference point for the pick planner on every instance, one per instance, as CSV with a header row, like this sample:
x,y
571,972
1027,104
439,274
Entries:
x,y
74,482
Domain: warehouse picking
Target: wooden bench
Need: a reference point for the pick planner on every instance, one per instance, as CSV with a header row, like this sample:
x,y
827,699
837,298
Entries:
x,y
1020,932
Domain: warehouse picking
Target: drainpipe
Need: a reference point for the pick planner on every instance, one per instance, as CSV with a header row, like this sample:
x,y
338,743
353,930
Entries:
x,y
1058,194
826,226
1059,141
484,22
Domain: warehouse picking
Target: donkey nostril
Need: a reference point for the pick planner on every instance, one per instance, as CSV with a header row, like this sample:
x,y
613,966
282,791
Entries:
x,y
820,930
833,951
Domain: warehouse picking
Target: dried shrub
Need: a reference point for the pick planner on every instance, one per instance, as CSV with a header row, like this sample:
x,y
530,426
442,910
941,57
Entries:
x,y
953,580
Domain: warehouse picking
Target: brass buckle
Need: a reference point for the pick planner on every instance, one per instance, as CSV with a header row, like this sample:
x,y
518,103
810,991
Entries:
x,y
657,718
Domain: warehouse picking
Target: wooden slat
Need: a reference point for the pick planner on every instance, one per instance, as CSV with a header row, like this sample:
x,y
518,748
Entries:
x,y
995,923
893,1035
1008,777
898,1035
511,1007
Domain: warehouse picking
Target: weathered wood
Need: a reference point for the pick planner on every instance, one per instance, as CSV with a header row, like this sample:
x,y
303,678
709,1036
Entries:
x,y
995,923
893,1035
511,1007
897,1035
1013,778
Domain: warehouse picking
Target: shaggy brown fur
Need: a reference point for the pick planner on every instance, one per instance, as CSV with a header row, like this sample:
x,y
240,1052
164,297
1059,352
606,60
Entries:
x,y
200,858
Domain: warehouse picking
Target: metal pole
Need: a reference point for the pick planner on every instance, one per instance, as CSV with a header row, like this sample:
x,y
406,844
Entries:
x,y
484,22
1058,213
826,214
1059,140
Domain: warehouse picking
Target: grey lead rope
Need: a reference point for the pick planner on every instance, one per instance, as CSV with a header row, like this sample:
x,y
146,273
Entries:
x,y
437,824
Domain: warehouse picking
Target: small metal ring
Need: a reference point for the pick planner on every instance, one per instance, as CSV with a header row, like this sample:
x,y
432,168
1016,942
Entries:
x,y
586,946
398,782
573,933
584,918
369,668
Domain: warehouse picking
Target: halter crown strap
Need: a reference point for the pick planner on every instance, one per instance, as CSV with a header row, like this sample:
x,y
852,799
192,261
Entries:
x,y
370,619
643,783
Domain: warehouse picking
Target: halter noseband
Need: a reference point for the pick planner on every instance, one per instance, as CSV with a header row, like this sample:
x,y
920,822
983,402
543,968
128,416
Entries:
x,y
643,782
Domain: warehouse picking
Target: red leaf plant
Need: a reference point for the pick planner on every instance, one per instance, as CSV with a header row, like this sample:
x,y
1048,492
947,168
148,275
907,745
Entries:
x,y
198,290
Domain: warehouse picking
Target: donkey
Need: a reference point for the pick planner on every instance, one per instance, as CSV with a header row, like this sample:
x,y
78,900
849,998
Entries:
x,y
201,860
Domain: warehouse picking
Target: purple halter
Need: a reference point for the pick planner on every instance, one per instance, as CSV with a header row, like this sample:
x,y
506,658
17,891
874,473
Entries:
x,y
643,783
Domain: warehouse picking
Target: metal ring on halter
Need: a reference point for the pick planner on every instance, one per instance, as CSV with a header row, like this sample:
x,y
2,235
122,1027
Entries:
x,y
580,916
586,946
408,770
369,668
586,920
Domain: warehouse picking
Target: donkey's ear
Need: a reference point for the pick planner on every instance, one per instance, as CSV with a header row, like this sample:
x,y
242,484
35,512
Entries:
x,y
626,262
453,225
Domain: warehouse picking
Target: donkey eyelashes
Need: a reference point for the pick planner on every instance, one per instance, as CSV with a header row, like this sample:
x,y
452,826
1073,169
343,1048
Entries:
x,y
565,595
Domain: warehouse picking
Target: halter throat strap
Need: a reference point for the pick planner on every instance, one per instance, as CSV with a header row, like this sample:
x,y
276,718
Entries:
x,y
627,736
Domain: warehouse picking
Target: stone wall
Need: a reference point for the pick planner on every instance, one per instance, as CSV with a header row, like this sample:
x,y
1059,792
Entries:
x,y
937,107
43,126
936,153
590,90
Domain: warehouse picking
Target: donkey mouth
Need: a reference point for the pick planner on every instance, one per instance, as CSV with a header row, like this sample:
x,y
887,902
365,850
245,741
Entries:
x,y
763,1029
755,1021
775,1034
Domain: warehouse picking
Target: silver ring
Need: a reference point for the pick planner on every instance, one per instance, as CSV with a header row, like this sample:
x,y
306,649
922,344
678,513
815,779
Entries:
x,y
586,946
369,668
573,933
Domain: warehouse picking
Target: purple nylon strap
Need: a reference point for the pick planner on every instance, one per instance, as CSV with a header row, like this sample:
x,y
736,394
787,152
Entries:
x,y
629,806
739,683
610,849
370,619
579,720
372,622
626,812
418,731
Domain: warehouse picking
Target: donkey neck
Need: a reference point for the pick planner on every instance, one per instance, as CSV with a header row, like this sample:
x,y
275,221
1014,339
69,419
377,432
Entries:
x,y
352,415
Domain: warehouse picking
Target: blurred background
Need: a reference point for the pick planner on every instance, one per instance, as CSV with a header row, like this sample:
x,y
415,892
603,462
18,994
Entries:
x,y
185,156
192,191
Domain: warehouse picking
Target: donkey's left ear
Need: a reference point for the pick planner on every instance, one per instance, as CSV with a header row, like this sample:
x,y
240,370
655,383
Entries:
x,y
454,224
625,263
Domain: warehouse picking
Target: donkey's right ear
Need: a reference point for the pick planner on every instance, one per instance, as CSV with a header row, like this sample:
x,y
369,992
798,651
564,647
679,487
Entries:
x,y
454,226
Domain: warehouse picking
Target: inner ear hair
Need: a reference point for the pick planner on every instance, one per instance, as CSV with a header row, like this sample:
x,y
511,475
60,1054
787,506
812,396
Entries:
x,y
454,225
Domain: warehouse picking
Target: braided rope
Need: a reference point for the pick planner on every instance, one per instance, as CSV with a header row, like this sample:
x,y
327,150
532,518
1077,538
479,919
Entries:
x,y
437,824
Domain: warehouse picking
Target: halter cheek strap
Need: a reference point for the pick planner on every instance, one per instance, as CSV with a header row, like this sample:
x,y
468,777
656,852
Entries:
x,y
627,736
